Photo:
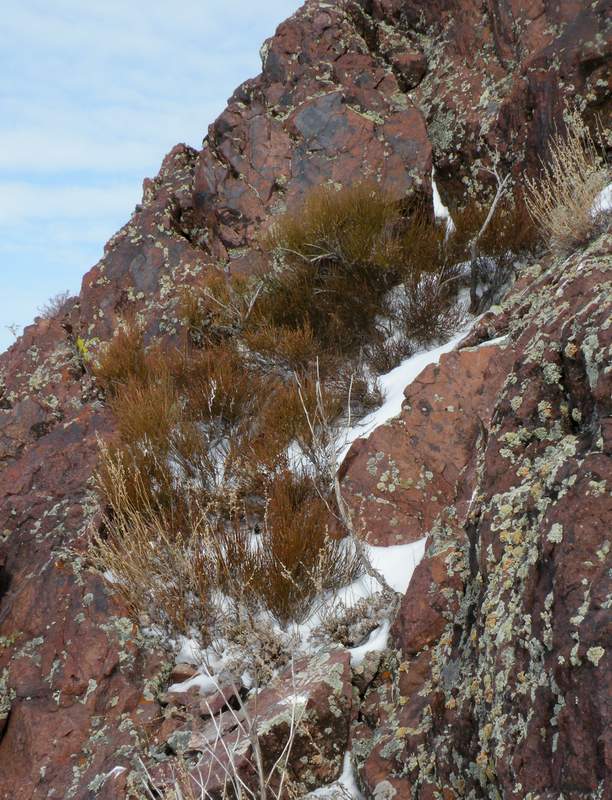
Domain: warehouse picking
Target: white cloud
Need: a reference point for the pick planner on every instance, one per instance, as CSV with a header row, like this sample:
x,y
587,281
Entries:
x,y
92,96
22,202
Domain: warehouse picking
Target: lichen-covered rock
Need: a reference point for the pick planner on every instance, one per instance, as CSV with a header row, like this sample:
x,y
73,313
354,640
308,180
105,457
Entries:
x,y
498,76
305,713
400,478
348,90
504,633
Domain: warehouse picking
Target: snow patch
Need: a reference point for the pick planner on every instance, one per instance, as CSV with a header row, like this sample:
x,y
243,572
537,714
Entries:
x,y
392,386
342,789
603,201
501,340
376,641
204,683
398,562
440,210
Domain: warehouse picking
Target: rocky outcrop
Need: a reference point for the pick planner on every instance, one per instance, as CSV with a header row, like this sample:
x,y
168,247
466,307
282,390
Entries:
x,y
301,719
401,477
503,636
347,90
498,75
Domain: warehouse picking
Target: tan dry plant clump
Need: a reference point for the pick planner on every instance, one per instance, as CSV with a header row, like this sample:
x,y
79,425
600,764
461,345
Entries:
x,y
155,566
201,446
222,469
338,253
121,358
287,563
563,199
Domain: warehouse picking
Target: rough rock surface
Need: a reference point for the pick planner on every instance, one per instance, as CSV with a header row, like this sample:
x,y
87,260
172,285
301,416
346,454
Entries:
x,y
350,89
307,709
503,637
402,476
498,74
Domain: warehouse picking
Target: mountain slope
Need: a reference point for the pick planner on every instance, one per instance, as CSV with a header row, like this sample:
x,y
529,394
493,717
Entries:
x,y
347,89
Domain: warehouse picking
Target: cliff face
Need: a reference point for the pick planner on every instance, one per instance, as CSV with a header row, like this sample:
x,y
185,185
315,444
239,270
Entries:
x,y
500,685
503,633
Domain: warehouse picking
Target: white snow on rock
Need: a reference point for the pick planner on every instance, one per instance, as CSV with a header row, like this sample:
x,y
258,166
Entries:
x,y
603,201
376,641
440,210
342,789
397,563
205,684
392,386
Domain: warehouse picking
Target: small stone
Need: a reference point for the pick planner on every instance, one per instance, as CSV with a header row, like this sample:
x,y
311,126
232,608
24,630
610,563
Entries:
x,y
182,672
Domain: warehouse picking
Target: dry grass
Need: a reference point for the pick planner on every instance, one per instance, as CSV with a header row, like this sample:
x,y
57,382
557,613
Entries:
x,y
511,230
217,383
121,358
562,200
352,229
218,310
427,310
55,305
287,563
200,435
154,564
169,572
234,430
338,253
294,349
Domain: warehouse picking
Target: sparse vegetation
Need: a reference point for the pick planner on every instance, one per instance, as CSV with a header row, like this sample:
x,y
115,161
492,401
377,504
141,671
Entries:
x,y
55,305
121,358
338,255
202,442
221,481
563,199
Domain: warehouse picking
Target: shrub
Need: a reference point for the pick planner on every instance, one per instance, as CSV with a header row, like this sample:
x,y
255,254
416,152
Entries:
x,y
153,564
145,411
511,230
563,200
170,573
292,561
345,259
217,383
198,437
233,432
338,254
294,349
55,305
427,310
121,358
219,309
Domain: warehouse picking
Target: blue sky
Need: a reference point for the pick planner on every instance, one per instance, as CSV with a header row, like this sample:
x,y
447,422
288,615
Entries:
x,y
92,96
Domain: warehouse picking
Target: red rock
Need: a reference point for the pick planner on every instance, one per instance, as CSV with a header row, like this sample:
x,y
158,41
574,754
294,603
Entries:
x,y
336,113
399,480
212,703
317,694
182,672
503,623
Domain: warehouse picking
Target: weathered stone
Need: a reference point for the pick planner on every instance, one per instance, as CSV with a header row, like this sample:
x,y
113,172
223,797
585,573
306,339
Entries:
x,y
401,477
182,672
502,632
348,91
313,698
